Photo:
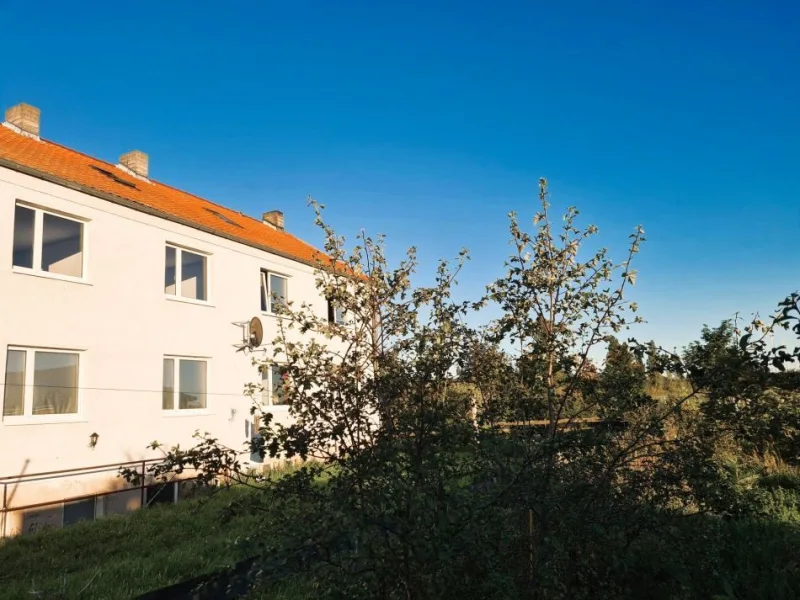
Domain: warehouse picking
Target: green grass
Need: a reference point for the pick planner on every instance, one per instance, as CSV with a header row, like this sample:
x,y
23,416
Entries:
x,y
123,556
709,558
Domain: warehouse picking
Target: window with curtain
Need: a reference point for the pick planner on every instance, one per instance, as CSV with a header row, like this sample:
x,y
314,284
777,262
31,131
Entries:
x,y
184,384
40,382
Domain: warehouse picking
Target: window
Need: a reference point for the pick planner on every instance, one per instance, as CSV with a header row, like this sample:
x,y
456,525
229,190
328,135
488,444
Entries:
x,y
190,377
23,236
161,493
14,397
50,387
272,384
273,292
48,243
185,274
80,510
335,313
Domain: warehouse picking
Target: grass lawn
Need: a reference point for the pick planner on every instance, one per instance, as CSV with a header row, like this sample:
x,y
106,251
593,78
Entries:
x,y
126,555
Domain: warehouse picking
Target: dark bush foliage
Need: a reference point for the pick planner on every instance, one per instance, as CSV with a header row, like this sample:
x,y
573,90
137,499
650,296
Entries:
x,y
445,461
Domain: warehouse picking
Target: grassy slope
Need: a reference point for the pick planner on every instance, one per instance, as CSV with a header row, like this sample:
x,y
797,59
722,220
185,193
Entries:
x,y
122,556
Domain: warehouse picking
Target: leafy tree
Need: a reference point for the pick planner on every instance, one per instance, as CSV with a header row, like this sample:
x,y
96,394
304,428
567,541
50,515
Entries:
x,y
622,382
741,398
413,483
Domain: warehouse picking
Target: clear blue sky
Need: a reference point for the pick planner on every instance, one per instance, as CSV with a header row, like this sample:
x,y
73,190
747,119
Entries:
x,y
430,121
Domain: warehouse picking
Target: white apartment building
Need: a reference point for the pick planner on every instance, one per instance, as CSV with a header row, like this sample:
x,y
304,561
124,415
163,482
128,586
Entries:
x,y
118,298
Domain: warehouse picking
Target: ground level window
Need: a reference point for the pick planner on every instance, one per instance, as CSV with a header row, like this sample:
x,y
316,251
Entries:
x,y
161,493
81,510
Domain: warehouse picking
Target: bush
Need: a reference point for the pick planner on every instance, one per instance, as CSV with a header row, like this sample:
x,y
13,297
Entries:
x,y
412,486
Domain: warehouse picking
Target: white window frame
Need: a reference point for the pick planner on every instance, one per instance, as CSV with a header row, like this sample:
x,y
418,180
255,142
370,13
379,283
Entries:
x,y
27,417
38,232
337,312
266,388
176,411
266,289
178,273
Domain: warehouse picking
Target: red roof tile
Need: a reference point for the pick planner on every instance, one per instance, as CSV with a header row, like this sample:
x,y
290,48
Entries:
x,y
53,161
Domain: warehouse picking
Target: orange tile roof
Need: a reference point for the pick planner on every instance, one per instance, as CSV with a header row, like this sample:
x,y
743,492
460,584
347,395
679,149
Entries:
x,y
62,165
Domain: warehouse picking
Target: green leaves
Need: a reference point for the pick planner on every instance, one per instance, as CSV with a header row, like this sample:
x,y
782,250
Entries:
x,y
434,436
744,342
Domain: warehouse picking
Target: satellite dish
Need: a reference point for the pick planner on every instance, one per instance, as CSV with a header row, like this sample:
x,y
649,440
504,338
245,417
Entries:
x,y
256,332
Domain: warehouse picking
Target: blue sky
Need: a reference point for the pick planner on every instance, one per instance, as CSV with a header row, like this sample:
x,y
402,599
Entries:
x,y
430,121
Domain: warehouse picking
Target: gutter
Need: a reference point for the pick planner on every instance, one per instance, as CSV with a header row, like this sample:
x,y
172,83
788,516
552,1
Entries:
x,y
14,166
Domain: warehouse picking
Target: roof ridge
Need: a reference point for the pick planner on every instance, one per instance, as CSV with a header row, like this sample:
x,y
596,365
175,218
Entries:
x,y
166,185
46,158
68,149
149,179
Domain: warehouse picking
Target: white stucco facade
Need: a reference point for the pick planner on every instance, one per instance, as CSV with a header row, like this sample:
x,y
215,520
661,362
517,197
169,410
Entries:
x,y
122,324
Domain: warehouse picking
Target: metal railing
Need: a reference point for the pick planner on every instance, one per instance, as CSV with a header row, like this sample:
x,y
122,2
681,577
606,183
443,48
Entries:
x,y
25,478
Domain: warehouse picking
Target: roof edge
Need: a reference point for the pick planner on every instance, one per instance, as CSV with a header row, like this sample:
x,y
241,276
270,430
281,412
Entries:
x,y
26,170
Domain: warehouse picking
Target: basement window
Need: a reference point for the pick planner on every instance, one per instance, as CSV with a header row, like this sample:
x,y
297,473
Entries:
x,y
161,493
80,510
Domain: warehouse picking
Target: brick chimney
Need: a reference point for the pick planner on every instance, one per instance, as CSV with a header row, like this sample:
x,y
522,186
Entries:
x,y
135,161
274,219
25,118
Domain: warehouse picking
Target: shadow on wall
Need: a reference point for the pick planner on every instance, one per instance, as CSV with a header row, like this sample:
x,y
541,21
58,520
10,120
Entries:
x,y
30,502
8,496
113,496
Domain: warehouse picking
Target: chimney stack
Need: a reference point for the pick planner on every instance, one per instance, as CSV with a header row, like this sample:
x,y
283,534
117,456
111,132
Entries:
x,y
135,161
274,219
25,118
